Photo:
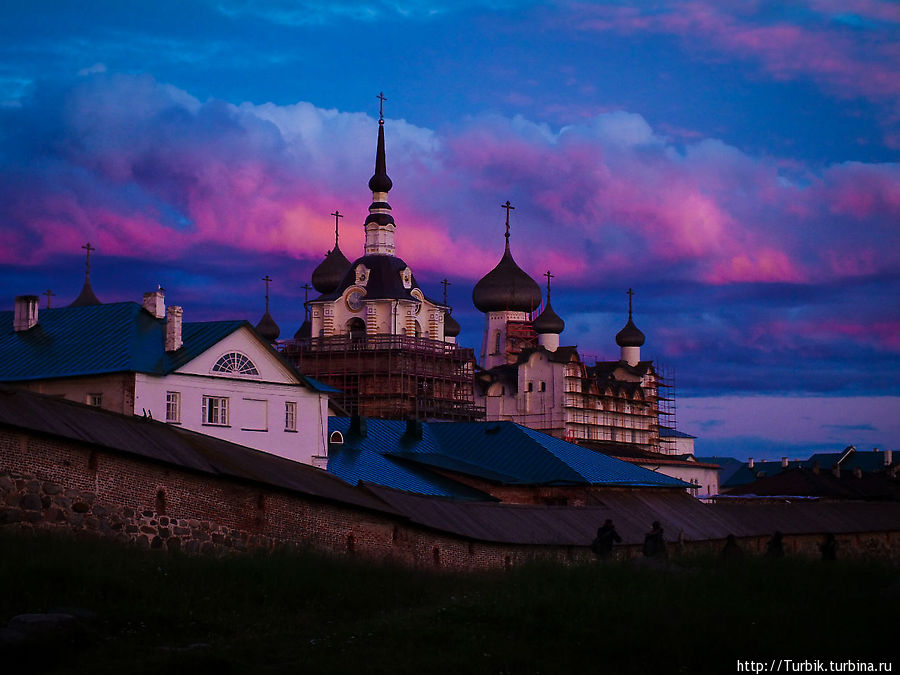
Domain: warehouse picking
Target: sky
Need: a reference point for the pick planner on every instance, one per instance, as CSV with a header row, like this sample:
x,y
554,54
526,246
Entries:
x,y
736,163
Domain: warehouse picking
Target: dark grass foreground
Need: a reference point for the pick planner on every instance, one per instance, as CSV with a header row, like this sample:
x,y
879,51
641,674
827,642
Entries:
x,y
150,613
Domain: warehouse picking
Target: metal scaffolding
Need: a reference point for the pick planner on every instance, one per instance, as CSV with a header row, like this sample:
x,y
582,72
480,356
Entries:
x,y
391,376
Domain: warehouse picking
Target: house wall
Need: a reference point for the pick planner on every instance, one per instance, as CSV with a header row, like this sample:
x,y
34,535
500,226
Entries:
x,y
246,398
706,480
116,390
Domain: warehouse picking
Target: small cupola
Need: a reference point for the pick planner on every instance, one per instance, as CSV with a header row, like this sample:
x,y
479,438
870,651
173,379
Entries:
x,y
548,325
267,327
630,338
327,276
87,295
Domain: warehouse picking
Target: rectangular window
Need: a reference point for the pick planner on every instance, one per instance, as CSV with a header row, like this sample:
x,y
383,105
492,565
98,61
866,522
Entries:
x,y
543,386
290,416
531,386
215,410
94,399
173,406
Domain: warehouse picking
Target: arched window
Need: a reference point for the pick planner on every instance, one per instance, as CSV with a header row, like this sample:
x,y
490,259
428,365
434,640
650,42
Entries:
x,y
336,438
235,363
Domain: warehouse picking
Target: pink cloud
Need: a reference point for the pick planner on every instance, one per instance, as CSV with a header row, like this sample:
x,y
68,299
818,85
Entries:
x,y
169,175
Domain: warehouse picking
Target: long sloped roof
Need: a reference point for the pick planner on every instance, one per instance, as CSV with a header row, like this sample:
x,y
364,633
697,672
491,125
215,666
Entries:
x,y
164,443
499,452
632,512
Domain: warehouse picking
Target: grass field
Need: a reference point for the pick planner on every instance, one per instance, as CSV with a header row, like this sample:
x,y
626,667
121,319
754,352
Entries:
x,y
305,613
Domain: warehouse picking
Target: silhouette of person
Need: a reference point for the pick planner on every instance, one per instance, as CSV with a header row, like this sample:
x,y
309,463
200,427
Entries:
x,y
828,547
775,546
602,545
654,542
732,550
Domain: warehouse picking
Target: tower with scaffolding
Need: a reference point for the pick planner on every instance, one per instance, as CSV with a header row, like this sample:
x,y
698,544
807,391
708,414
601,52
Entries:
x,y
373,334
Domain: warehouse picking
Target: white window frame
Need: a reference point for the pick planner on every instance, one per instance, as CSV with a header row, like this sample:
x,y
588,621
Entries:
x,y
215,411
290,416
173,407
95,399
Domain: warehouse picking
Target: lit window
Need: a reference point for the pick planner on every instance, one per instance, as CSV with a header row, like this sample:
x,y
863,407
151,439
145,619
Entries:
x,y
215,410
290,416
235,363
94,399
173,406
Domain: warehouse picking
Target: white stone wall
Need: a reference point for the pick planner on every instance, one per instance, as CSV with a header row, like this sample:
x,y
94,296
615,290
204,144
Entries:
x,y
256,403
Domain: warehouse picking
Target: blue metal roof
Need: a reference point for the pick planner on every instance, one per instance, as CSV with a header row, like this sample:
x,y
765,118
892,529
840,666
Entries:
x,y
367,459
499,452
110,338
99,339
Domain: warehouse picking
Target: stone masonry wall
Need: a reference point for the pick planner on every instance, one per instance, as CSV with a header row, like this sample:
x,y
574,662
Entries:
x,y
50,484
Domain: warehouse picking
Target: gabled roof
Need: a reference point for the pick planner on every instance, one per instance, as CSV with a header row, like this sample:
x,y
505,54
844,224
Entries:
x,y
110,338
498,452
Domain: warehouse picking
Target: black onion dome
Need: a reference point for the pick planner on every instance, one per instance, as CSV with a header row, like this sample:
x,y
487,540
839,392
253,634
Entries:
x,y
305,331
86,297
380,181
630,336
268,328
506,288
451,326
327,276
548,322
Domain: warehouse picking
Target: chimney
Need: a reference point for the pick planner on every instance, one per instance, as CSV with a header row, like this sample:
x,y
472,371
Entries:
x,y
358,426
155,303
26,314
784,462
750,463
173,328
836,471
815,467
888,457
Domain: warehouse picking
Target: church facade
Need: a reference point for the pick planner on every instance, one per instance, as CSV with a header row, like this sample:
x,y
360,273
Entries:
x,y
375,335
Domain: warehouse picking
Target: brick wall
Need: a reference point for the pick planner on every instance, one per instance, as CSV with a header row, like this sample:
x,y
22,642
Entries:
x,y
46,483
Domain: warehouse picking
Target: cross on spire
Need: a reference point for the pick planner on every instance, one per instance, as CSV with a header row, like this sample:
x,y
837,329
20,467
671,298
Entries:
x,y
306,288
337,214
381,99
549,277
509,207
630,294
87,247
49,294
267,279
445,283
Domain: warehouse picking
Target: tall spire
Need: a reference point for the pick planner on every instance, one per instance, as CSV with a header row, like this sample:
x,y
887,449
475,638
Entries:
x,y
380,223
380,181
